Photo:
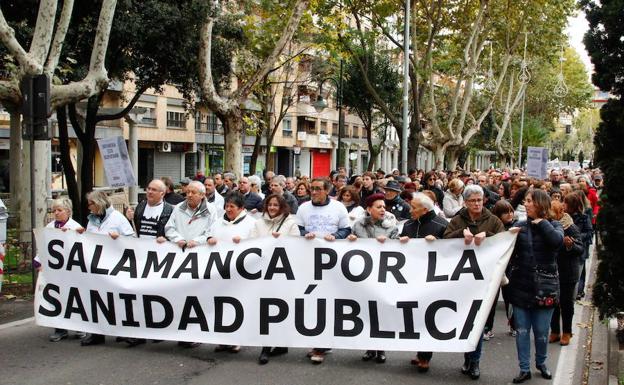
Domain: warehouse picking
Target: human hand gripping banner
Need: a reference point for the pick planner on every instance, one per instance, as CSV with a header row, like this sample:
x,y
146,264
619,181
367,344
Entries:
x,y
286,291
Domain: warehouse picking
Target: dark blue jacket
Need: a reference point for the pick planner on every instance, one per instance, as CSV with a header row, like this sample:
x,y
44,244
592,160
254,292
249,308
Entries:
x,y
428,224
583,222
569,260
537,250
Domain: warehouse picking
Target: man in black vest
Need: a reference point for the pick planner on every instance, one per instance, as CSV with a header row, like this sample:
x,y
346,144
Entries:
x,y
149,219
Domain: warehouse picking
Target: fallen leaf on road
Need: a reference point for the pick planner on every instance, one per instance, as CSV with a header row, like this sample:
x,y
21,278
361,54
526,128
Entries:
x,y
582,325
9,296
597,365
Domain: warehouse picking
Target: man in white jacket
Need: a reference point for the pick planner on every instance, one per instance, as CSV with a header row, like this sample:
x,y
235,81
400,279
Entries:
x,y
191,221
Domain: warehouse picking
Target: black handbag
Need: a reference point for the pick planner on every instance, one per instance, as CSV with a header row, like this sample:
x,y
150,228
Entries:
x,y
546,280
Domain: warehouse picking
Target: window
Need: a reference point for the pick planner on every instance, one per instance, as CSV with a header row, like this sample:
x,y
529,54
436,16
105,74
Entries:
x,y
335,129
201,123
149,118
176,119
214,124
324,127
306,124
356,132
287,128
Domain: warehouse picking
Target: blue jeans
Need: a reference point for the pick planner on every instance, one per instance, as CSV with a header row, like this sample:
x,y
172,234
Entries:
x,y
476,354
539,320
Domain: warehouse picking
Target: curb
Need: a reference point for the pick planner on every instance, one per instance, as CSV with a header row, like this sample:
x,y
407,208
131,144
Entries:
x,y
615,355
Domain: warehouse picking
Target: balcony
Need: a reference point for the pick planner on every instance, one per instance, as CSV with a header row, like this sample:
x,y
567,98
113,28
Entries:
x,y
287,133
148,121
176,123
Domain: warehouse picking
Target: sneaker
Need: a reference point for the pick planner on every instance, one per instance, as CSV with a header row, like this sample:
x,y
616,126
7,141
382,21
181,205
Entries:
x,y
317,357
81,335
59,334
487,335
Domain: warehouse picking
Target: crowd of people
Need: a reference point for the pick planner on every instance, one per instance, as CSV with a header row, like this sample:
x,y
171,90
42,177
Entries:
x,y
554,220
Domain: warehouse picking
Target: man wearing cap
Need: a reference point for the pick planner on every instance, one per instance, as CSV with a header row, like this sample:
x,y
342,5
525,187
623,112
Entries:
x,y
394,203
183,186
380,174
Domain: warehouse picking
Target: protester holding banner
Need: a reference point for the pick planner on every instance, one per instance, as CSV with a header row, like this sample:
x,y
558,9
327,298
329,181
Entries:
x,y
62,210
104,219
534,283
276,220
326,218
568,266
474,222
149,220
191,221
424,224
235,225
381,225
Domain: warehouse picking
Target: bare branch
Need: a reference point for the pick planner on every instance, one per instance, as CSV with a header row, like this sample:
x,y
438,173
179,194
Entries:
x,y
96,78
290,29
59,37
44,29
205,68
126,110
7,35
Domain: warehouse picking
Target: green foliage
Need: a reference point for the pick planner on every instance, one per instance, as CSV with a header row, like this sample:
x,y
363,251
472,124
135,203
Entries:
x,y
608,294
384,77
605,43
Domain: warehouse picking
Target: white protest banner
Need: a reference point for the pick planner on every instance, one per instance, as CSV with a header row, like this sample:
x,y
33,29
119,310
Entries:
x,y
289,291
116,162
537,162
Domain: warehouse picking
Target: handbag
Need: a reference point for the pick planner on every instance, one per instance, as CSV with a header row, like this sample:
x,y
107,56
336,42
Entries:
x,y
546,281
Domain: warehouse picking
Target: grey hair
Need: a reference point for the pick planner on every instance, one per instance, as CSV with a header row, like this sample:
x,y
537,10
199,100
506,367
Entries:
x,y
424,200
279,179
64,203
230,175
100,200
254,179
472,189
161,185
199,186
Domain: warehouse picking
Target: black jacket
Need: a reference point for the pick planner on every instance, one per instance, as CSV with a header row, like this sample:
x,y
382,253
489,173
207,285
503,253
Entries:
x,y
253,201
536,247
173,198
428,224
399,208
583,222
162,220
366,193
569,261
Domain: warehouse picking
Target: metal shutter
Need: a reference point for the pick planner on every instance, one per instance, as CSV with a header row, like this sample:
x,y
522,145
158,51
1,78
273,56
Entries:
x,y
167,164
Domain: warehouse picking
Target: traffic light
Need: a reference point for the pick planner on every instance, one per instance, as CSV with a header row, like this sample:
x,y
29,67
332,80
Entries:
x,y
36,106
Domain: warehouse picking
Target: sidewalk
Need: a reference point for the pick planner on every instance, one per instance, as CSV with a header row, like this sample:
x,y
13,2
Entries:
x,y
14,308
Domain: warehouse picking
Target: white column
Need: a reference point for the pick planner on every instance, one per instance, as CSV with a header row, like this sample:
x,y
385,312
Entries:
x,y
334,154
202,158
346,157
377,160
395,163
359,160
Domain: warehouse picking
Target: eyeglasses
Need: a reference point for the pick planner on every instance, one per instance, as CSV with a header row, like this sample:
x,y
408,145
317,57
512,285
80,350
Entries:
x,y
316,188
472,201
431,179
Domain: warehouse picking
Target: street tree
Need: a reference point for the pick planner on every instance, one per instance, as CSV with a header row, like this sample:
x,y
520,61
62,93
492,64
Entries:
x,y
284,19
140,53
45,32
385,79
605,44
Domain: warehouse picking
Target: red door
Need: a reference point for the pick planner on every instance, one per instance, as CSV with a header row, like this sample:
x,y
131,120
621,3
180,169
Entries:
x,y
321,163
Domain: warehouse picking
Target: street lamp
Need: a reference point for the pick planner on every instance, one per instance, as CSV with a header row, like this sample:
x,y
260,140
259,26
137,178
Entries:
x,y
320,104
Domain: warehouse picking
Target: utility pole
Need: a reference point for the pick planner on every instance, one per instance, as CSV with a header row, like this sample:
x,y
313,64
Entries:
x,y
406,47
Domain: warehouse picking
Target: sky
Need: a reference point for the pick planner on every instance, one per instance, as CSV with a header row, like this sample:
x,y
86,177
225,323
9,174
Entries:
x,y
577,26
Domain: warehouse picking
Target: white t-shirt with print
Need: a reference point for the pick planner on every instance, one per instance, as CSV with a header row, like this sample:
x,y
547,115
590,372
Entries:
x,y
323,220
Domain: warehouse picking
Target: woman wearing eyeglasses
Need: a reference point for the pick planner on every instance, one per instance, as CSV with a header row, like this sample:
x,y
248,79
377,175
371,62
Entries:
x,y
429,183
473,223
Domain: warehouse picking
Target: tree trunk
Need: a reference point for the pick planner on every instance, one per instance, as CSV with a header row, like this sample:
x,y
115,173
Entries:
x,y
254,155
452,158
233,128
68,167
439,152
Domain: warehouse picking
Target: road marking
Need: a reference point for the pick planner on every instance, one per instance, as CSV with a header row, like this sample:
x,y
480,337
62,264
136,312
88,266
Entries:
x,y
16,323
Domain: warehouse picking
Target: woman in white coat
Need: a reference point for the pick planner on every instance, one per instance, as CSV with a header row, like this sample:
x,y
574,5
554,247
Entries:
x,y
62,210
276,220
104,219
235,225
